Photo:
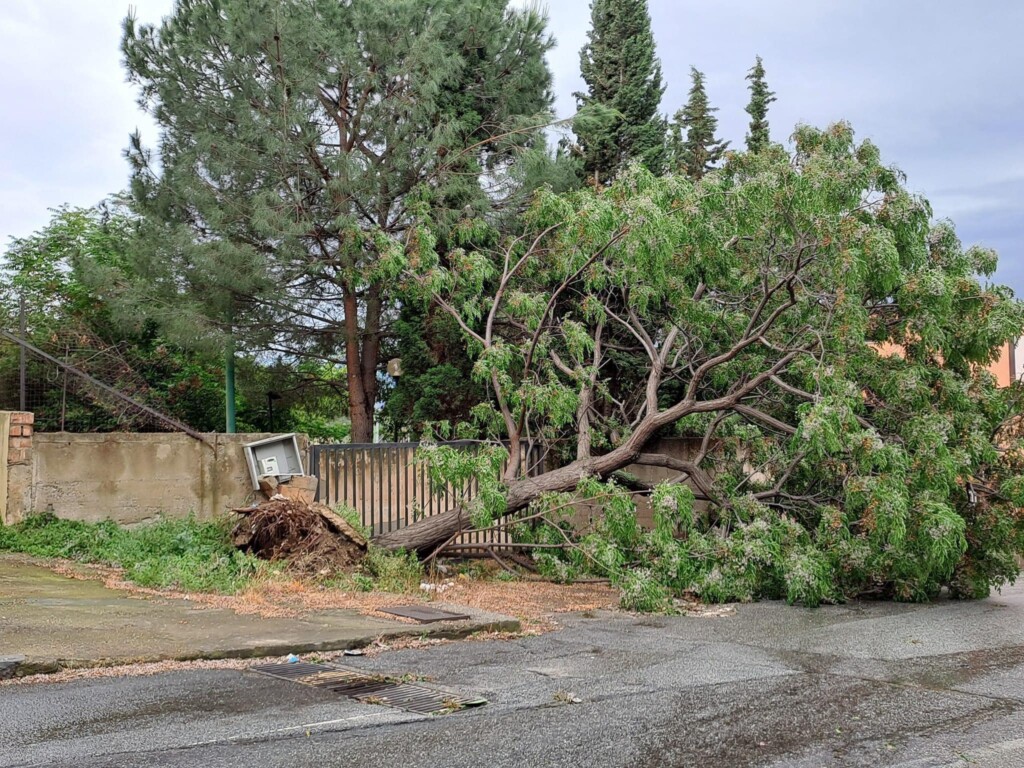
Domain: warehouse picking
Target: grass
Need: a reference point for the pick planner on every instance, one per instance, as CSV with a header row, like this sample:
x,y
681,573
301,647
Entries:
x,y
187,554
393,571
380,571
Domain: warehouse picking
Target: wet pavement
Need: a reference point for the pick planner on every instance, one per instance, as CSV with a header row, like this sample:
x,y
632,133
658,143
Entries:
x,y
867,684
49,621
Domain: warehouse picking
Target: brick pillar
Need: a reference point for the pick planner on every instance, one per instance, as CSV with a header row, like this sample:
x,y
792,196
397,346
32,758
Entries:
x,y
19,441
15,465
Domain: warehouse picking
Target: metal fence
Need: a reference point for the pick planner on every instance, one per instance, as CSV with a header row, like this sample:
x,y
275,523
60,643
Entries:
x,y
390,488
84,388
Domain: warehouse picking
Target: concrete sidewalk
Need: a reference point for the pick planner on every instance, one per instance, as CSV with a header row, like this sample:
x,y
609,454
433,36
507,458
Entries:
x,y
50,622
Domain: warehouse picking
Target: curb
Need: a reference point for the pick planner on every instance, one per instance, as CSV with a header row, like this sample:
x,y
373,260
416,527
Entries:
x,y
20,666
10,666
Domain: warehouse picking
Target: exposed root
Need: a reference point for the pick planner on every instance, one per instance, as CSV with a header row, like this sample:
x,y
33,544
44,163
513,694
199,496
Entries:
x,y
310,538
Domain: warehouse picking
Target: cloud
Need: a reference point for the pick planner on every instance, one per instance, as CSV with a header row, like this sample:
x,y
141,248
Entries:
x,y
933,82
69,110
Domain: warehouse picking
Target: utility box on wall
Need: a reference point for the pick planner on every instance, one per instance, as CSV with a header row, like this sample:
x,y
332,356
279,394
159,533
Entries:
x,y
276,456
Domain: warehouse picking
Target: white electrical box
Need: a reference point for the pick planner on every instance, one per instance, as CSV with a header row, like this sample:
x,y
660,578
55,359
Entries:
x,y
276,456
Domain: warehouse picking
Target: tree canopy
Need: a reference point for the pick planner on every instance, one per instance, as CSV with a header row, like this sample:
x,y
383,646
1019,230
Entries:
x,y
695,146
758,135
58,275
299,141
755,299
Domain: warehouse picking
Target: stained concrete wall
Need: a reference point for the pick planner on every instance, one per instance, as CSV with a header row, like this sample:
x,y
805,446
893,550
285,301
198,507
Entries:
x,y
129,477
682,448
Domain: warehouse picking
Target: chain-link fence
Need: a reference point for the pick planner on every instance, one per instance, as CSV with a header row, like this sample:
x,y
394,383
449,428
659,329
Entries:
x,y
76,383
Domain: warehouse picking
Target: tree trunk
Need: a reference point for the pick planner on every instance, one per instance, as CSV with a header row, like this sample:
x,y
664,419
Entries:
x,y
431,532
360,404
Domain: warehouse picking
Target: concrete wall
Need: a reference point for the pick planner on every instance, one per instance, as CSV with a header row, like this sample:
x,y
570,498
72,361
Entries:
x,y
126,477
682,448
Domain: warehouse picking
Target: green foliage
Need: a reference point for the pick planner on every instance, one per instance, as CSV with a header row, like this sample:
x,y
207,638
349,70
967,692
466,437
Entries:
x,y
299,141
351,516
309,397
758,136
767,557
184,554
695,147
800,314
436,383
393,571
62,274
619,120
642,593
457,470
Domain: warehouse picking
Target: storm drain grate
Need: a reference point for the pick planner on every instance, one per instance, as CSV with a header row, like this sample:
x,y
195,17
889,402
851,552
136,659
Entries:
x,y
370,689
423,614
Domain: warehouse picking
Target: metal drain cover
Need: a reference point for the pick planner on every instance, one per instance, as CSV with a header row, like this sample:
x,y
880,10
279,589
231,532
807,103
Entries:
x,y
424,614
370,689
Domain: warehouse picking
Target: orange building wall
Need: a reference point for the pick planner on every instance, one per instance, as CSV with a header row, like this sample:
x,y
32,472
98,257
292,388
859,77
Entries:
x,y
1006,369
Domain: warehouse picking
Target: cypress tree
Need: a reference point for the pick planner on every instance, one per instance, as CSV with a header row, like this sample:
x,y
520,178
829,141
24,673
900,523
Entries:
x,y
624,81
760,97
698,152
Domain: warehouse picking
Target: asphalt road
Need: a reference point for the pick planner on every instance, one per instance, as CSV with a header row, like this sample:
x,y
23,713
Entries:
x,y
857,685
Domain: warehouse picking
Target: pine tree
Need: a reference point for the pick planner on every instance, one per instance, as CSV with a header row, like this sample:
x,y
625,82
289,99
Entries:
x,y
300,143
624,81
697,152
760,97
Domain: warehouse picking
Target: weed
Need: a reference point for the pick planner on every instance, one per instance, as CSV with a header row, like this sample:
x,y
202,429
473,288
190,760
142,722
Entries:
x,y
351,516
476,570
393,571
349,582
451,704
185,554
362,582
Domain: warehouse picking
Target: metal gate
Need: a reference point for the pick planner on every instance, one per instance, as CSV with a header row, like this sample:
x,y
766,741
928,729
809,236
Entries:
x,y
390,489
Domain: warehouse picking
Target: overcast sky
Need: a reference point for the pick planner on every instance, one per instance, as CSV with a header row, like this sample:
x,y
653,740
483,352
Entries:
x,y
935,83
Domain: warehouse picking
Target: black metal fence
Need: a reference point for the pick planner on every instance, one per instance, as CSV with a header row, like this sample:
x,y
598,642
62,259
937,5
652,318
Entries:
x,y
390,488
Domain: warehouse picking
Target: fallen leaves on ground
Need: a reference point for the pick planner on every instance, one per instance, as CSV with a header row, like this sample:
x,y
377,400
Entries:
x,y
534,603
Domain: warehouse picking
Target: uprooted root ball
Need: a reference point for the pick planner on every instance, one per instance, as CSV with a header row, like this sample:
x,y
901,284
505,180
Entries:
x,y
311,539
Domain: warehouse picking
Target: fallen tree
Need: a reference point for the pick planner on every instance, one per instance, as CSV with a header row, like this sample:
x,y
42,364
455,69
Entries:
x,y
757,310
